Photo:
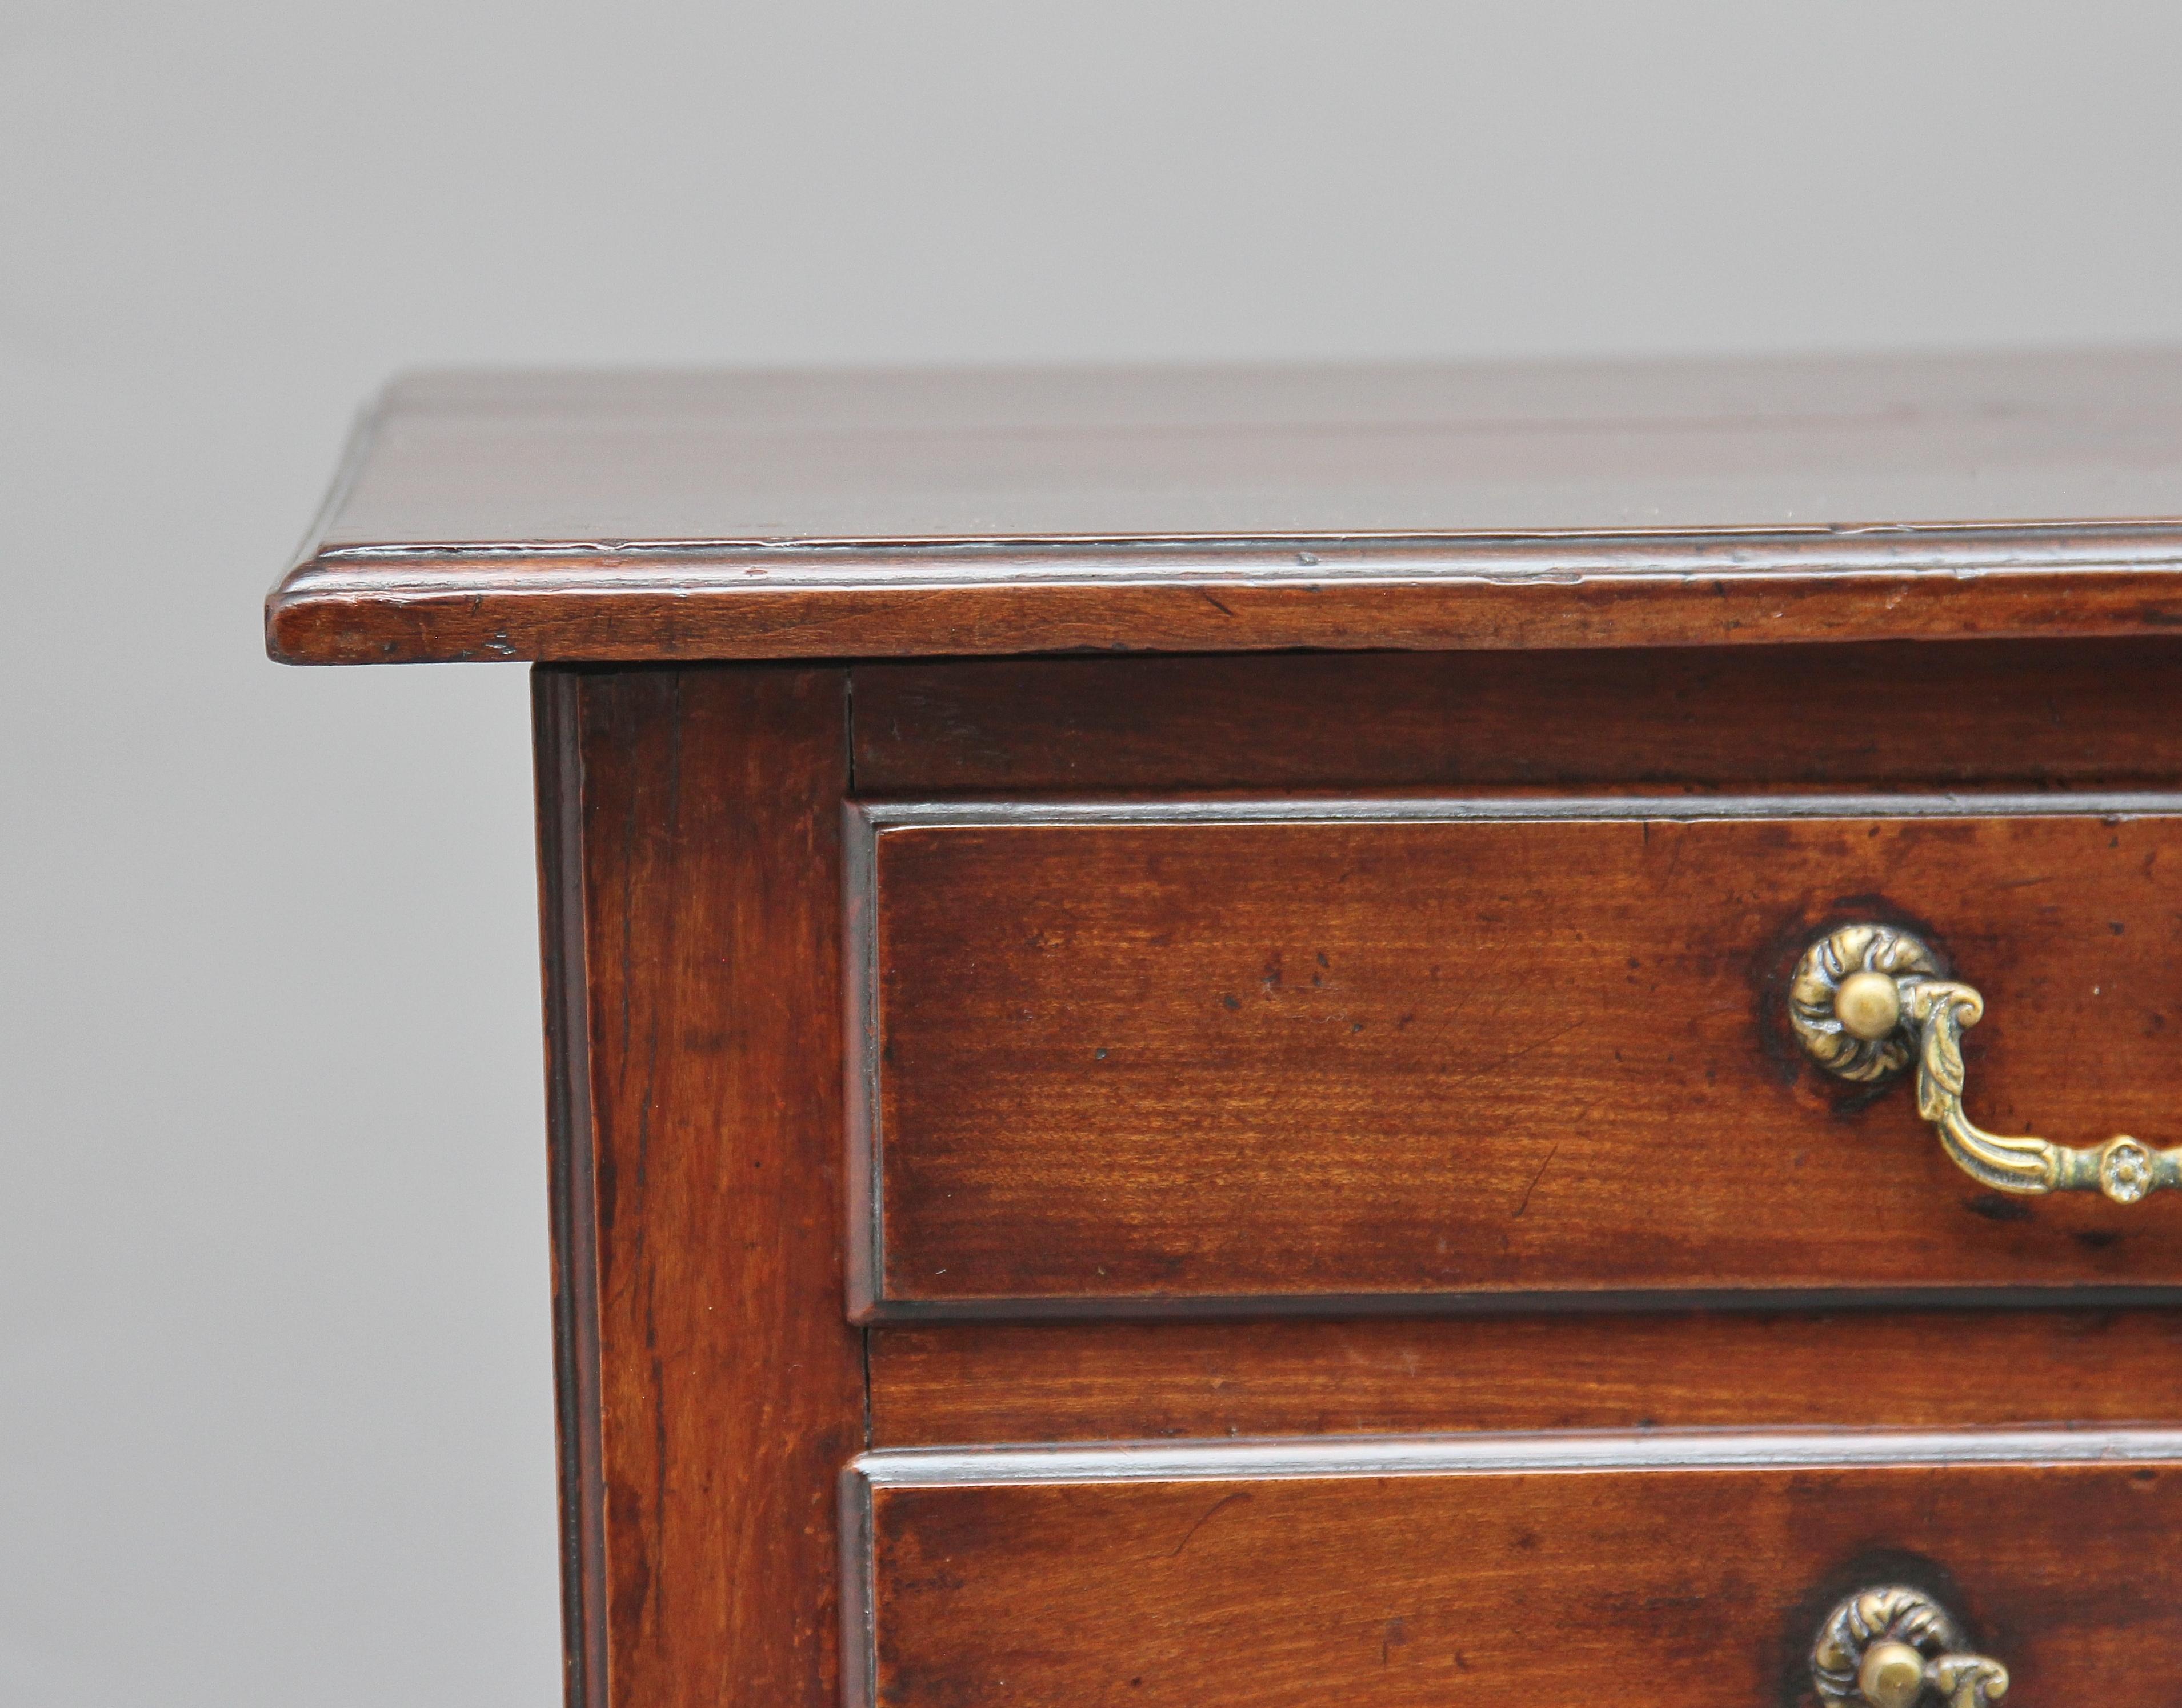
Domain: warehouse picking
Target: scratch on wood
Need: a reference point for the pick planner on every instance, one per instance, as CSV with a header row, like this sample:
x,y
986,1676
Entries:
x,y
1535,1178
1213,1511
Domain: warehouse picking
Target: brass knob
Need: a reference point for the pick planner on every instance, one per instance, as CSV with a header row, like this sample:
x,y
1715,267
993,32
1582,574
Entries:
x,y
1867,1000
1892,1647
1892,1675
1868,1004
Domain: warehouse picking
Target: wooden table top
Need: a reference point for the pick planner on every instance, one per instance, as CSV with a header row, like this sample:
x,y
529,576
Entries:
x,y
680,516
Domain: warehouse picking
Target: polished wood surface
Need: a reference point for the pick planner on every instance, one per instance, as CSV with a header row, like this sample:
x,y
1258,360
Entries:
x,y
1247,453
1698,1587
1143,1061
1974,713
710,1389
1882,1368
634,517
557,762
1360,1044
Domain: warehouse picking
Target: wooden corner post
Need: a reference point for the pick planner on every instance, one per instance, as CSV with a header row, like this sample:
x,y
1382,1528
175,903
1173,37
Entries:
x,y
711,1386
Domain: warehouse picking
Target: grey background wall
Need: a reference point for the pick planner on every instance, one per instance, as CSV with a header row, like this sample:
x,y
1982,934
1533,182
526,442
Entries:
x,y
274,1388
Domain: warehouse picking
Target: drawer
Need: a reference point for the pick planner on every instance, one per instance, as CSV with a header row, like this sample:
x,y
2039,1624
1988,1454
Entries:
x,y
1120,1056
1699,1570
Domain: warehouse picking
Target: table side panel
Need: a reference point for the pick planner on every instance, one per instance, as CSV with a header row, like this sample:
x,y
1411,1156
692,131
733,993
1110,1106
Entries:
x,y
2046,714
1882,1368
730,1386
557,759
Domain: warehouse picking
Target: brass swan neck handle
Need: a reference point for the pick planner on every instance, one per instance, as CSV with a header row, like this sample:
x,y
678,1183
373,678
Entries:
x,y
1867,999
1894,1647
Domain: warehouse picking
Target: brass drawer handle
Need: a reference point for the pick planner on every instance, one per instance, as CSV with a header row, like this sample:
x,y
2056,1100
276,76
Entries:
x,y
1868,998
1889,1647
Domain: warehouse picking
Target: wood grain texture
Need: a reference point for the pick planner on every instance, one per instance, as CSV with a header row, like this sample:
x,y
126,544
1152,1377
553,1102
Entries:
x,y
2042,713
1163,1061
729,1389
676,517
1262,452
557,758
936,1384
1702,1588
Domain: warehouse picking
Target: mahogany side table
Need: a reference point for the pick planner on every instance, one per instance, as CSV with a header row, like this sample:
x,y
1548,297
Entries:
x,y
1411,1036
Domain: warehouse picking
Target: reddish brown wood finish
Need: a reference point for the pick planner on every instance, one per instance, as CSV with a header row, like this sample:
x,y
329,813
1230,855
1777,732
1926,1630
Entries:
x,y
1161,1062
678,517
1290,1068
931,1386
1700,1588
710,1389
460,605
604,460
557,759
2033,713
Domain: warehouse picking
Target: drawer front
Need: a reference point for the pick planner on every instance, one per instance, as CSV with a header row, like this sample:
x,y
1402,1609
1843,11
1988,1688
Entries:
x,y
1128,1055
1699,1571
